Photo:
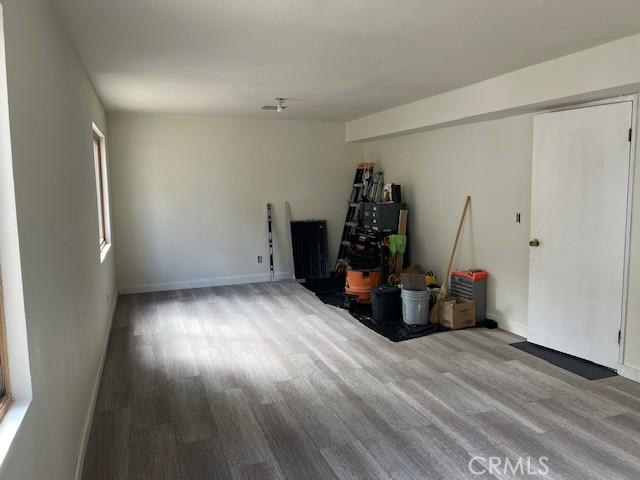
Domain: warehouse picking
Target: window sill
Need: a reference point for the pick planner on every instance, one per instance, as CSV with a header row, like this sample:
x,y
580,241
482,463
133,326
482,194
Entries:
x,y
10,425
104,251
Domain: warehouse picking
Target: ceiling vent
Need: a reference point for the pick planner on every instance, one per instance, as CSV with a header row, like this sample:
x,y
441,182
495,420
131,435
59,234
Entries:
x,y
278,107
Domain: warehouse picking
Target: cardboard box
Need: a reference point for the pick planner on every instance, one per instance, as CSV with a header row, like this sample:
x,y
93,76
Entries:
x,y
457,312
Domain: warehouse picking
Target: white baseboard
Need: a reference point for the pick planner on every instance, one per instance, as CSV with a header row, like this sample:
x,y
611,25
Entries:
x,y
513,327
203,283
94,393
632,373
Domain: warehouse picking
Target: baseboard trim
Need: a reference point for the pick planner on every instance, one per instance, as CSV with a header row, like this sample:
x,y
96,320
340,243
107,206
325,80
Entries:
x,y
203,283
94,394
513,327
632,373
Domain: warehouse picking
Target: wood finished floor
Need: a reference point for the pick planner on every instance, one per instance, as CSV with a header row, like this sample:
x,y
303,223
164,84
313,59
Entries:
x,y
264,381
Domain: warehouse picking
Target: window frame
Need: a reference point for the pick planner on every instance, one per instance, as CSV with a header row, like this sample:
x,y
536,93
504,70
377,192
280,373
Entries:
x,y
5,394
102,191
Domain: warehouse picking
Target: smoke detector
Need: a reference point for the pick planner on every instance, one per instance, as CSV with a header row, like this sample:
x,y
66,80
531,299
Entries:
x,y
278,107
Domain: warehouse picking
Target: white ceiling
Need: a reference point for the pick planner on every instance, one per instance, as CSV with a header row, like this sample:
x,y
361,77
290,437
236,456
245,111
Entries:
x,y
336,59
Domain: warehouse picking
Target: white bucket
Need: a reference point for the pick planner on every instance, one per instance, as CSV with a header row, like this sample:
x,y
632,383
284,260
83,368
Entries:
x,y
415,306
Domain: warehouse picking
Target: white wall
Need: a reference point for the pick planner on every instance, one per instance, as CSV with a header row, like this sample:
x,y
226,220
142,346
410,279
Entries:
x,y
67,292
190,194
491,161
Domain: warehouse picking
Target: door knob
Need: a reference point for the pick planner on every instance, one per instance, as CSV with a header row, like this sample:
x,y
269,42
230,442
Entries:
x,y
534,243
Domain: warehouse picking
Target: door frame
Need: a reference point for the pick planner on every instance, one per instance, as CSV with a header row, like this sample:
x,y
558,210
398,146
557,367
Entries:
x,y
633,98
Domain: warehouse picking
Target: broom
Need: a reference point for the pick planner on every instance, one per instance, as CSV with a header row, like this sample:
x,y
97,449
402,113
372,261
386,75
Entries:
x,y
435,313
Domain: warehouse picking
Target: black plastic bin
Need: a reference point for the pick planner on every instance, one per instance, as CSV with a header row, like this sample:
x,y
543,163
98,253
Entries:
x,y
386,305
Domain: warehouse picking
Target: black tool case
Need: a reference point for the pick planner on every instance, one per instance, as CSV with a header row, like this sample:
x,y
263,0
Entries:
x,y
382,217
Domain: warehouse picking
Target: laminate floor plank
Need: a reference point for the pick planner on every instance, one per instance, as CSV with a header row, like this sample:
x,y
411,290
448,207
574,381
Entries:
x,y
353,461
595,432
320,424
153,453
628,423
623,384
293,450
513,385
257,471
520,442
203,459
467,345
450,395
107,448
116,384
242,437
150,399
388,446
189,410
264,381
521,412
449,459
602,461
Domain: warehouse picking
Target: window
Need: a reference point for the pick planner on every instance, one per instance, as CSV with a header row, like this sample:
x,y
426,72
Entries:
x,y
5,389
102,191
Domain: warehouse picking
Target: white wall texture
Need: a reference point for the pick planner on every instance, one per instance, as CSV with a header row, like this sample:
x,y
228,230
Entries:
x,y
67,291
491,161
189,194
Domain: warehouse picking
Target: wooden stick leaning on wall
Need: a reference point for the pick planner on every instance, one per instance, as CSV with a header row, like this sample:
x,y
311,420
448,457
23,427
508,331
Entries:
x,y
402,230
434,316
292,263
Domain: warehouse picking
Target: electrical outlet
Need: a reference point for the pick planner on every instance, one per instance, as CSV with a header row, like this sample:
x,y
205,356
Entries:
x,y
259,258
518,217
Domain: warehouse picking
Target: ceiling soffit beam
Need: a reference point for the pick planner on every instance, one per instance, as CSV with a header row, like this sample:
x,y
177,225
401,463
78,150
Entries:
x,y
605,70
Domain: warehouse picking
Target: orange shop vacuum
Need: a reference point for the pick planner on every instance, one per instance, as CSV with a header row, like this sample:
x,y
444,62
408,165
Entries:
x,y
360,282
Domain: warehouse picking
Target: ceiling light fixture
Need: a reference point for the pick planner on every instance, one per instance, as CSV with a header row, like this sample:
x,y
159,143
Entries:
x,y
278,107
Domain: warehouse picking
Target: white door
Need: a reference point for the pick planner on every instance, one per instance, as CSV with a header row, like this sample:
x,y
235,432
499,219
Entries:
x,y
581,161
